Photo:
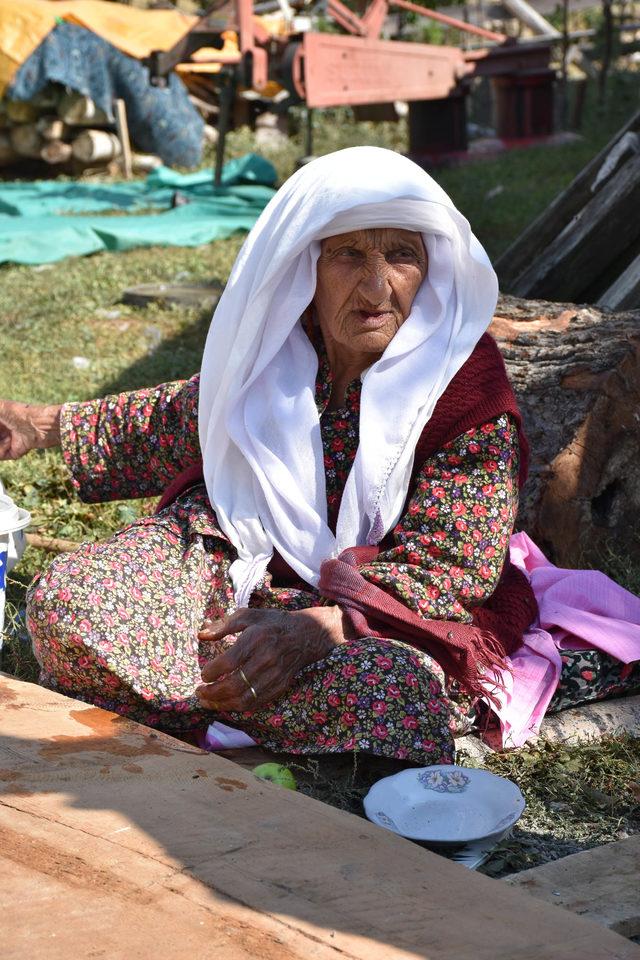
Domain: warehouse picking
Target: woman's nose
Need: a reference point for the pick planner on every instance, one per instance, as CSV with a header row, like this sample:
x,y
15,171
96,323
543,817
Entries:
x,y
375,282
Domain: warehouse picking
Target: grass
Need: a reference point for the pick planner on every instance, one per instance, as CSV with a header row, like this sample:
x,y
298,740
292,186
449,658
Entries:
x,y
576,796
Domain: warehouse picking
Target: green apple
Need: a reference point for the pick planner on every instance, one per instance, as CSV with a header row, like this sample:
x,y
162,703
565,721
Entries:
x,y
276,773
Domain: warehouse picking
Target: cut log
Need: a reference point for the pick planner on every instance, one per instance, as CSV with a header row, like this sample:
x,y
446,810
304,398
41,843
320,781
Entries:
x,y
576,373
48,98
145,162
22,111
52,128
26,140
56,151
76,109
7,154
95,146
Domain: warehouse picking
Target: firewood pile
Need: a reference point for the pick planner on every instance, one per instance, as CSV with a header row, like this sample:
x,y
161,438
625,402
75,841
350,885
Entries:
x,y
63,129
585,247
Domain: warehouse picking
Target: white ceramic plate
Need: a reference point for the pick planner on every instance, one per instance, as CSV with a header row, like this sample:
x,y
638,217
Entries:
x,y
12,518
445,805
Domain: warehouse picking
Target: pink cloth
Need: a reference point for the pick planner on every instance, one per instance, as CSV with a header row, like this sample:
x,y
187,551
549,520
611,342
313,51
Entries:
x,y
578,609
220,736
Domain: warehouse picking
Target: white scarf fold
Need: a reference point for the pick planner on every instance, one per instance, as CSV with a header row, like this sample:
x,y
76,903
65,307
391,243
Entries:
x,y
258,422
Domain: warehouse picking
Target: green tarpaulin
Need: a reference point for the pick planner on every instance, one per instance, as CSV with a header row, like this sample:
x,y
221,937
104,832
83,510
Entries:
x,y
47,220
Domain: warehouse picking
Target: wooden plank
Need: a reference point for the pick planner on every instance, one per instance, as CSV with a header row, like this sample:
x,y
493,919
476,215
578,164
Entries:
x,y
144,846
581,252
122,128
602,884
539,234
624,293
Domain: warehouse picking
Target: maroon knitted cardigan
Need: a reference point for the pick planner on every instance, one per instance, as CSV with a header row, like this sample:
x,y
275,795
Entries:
x,y
479,392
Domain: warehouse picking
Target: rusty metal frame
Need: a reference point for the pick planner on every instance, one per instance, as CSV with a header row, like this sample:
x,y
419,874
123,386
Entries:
x,y
332,70
329,69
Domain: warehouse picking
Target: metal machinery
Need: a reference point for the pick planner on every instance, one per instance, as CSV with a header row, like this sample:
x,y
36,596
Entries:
x,y
357,67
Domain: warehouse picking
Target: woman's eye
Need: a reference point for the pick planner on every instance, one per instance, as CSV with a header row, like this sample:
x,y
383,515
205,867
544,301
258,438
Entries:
x,y
402,255
350,253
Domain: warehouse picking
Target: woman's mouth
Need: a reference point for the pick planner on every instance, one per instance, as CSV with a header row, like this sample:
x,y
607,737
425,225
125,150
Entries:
x,y
373,318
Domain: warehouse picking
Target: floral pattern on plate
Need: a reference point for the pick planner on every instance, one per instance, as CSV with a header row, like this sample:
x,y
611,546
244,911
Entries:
x,y
453,781
386,821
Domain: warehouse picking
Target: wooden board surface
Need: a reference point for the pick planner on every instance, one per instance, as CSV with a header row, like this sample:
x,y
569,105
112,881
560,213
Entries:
x,y
117,841
602,884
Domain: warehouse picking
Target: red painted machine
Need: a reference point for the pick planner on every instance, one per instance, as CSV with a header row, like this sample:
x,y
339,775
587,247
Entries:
x,y
357,67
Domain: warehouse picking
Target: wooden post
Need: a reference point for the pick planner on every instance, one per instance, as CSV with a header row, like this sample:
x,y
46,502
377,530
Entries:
x,y
122,128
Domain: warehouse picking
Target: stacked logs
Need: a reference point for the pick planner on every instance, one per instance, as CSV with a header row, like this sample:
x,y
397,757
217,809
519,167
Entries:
x,y
61,128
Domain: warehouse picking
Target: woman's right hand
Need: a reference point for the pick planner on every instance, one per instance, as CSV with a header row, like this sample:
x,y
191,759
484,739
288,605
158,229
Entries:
x,y
26,426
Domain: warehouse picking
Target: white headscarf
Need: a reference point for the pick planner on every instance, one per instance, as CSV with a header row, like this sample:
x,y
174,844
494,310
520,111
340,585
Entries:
x,y
258,422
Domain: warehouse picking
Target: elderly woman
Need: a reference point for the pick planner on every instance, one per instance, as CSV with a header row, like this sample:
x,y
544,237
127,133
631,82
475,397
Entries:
x,y
328,568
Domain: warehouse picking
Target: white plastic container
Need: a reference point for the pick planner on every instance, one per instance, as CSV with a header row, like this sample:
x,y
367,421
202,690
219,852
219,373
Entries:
x,y
13,520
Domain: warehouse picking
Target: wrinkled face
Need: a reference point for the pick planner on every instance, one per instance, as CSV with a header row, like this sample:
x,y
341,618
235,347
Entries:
x,y
367,281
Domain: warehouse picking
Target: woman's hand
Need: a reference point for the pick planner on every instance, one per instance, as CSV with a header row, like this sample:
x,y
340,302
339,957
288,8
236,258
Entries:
x,y
25,427
272,647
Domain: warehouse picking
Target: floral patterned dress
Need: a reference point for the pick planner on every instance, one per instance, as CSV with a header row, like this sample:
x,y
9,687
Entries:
x,y
115,623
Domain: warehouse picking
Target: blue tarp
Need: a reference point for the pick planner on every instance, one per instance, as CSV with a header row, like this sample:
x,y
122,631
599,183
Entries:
x,y
161,121
46,221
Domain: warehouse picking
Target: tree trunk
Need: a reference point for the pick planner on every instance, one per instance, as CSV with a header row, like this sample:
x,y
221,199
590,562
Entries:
x,y
576,373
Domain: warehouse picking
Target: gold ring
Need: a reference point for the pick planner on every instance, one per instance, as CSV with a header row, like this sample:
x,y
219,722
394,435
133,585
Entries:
x,y
244,677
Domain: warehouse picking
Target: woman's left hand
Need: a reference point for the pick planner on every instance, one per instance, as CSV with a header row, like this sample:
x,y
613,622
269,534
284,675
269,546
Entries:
x,y
272,647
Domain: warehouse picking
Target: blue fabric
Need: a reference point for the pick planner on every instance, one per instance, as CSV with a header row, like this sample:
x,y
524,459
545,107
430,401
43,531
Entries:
x,y
26,198
45,221
161,121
